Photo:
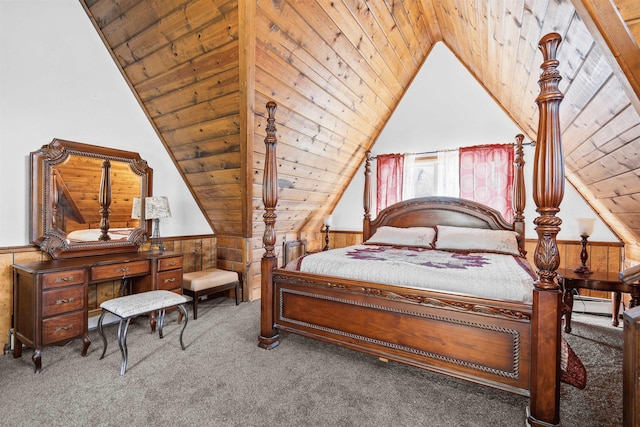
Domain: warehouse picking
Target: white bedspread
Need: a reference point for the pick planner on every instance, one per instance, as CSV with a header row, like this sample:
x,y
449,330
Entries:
x,y
488,275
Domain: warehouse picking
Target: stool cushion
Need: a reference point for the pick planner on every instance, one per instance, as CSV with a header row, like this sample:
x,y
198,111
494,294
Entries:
x,y
144,302
206,279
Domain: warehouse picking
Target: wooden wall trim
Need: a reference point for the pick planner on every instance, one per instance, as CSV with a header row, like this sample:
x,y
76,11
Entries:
x,y
247,70
18,249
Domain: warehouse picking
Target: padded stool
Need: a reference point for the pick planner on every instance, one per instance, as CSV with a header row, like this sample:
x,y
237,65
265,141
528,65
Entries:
x,y
134,305
197,284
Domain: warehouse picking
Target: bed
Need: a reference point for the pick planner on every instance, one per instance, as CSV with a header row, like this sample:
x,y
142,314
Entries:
x,y
514,345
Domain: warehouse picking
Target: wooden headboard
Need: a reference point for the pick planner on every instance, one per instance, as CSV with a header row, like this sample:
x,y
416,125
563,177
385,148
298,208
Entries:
x,y
432,211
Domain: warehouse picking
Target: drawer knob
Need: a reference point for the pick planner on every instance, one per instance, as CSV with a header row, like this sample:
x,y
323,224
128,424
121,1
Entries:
x,y
65,300
171,263
170,280
124,270
64,328
64,279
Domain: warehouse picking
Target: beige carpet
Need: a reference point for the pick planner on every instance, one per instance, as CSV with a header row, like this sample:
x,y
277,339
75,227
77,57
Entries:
x,y
224,379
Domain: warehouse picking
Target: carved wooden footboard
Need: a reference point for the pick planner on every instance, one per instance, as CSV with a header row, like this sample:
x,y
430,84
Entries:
x,y
480,340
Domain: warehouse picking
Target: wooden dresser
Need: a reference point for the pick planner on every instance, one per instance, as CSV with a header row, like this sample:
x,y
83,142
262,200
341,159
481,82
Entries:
x,y
51,297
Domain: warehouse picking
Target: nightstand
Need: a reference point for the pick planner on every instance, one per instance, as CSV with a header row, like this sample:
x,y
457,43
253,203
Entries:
x,y
608,282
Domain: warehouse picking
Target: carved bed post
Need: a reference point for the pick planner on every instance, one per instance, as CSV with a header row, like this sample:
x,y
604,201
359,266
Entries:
x,y
268,336
548,190
105,200
367,196
519,195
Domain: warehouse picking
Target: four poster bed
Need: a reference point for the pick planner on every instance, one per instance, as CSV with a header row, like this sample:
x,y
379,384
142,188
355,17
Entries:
x,y
511,343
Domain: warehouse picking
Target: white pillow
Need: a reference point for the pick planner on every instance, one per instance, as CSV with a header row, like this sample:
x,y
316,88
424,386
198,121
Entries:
x,y
477,240
411,236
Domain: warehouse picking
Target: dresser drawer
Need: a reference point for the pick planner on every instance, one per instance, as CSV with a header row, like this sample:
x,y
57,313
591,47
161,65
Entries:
x,y
63,278
170,280
120,270
169,263
61,328
64,300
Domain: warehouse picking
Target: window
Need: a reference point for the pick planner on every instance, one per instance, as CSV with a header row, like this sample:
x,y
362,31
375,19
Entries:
x,y
432,175
425,176
485,171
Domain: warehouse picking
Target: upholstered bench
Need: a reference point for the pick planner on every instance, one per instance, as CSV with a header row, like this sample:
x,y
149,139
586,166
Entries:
x,y
198,284
134,305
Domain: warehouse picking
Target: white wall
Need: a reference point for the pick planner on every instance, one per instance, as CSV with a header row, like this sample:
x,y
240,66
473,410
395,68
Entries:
x,y
445,108
57,80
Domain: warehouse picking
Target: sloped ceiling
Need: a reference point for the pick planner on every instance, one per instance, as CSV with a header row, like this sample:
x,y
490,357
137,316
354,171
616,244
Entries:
x,y
203,71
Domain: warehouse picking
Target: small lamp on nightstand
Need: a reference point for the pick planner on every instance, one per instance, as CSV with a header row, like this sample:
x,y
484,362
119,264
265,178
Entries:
x,y
585,228
327,224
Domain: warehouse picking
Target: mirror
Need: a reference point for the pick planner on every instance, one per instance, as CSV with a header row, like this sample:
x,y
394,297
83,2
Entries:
x,y
82,198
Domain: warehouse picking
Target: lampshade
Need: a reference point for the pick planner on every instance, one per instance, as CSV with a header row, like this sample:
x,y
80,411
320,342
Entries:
x,y
327,220
135,208
585,226
156,207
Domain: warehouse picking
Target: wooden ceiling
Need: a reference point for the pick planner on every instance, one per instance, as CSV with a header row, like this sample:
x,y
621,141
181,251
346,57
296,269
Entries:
x,y
203,71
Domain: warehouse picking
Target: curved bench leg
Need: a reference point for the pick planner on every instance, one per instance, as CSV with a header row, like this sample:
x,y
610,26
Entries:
x,y
122,343
161,322
186,320
104,339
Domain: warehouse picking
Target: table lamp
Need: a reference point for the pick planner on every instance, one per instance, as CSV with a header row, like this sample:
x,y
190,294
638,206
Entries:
x,y
156,207
585,228
327,224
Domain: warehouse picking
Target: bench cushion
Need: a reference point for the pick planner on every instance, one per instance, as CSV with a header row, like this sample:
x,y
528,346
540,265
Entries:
x,y
206,279
144,302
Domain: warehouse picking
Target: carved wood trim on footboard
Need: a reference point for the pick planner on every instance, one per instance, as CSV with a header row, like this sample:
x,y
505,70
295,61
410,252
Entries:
x,y
484,341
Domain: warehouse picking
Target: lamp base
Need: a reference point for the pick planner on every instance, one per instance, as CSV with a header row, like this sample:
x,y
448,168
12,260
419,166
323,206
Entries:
x,y
584,256
326,238
583,270
156,240
157,246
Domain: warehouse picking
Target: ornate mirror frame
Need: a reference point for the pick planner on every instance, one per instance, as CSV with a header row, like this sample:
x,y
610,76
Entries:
x,y
105,179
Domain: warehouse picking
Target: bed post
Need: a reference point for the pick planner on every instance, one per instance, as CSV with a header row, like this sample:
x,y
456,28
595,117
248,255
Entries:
x,y
269,338
519,192
367,197
548,190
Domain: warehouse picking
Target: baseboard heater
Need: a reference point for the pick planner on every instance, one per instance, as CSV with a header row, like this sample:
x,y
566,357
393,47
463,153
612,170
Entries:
x,y
590,305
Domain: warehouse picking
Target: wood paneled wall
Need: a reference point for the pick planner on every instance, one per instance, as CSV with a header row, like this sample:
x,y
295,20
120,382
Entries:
x,y
183,61
203,71
337,71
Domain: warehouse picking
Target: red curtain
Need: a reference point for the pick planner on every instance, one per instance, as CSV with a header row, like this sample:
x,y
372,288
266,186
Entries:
x,y
390,174
486,176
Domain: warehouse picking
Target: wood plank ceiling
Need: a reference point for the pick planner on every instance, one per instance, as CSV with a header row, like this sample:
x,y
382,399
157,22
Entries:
x,y
203,71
